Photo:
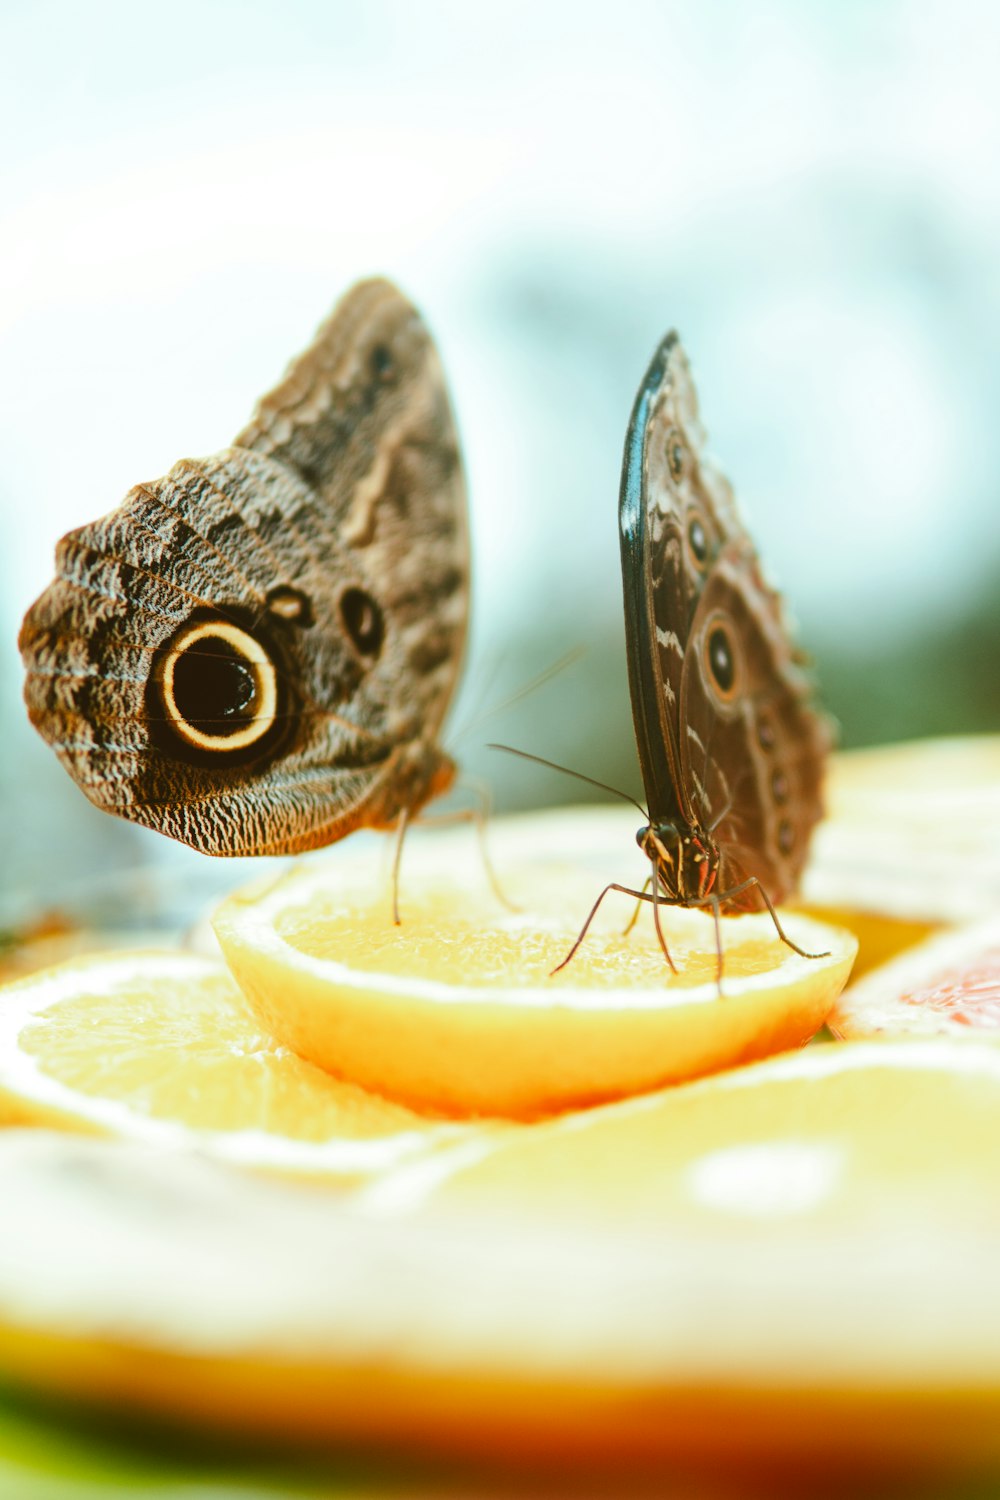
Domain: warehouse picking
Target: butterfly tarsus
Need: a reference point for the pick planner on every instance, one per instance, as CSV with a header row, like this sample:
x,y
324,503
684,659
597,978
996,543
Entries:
x,y
717,901
718,943
654,879
478,815
626,931
626,890
401,827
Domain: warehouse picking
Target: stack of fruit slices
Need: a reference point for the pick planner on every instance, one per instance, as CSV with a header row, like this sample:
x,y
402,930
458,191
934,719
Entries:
x,y
482,1211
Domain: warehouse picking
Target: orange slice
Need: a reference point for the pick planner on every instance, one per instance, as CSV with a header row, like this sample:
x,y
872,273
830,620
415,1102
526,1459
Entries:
x,y
948,986
164,1048
457,1010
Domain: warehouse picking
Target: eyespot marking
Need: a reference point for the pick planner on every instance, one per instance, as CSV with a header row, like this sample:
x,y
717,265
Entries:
x,y
382,364
786,836
290,604
676,455
697,540
218,688
363,622
720,659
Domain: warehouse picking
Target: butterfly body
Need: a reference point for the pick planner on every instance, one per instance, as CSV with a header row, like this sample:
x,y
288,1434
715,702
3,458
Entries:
x,y
730,746
254,653
686,861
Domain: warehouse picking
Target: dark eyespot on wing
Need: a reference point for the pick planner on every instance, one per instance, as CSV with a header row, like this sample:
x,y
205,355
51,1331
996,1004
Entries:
x,y
217,695
698,540
720,656
363,621
290,604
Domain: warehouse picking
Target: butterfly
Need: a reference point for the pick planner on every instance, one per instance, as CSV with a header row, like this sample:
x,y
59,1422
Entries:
x,y
731,748
254,654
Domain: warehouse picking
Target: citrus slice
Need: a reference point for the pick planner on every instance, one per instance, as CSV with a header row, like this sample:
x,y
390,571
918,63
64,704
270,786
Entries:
x,y
163,1047
785,1264
831,1139
910,843
948,986
457,1008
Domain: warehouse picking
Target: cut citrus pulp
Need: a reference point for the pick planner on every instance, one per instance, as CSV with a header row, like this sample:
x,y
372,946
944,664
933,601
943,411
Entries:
x,y
828,1140
785,1263
910,843
163,1047
949,985
457,1008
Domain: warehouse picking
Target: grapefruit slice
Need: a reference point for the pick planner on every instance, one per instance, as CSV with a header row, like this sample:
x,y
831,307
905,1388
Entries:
x,y
948,986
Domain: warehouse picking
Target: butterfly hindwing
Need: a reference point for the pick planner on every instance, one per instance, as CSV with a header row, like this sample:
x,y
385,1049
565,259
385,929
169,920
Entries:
x,y
254,653
753,747
730,746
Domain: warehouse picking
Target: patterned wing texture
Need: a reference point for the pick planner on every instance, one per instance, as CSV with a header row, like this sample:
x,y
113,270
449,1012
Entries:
x,y
254,653
753,746
676,514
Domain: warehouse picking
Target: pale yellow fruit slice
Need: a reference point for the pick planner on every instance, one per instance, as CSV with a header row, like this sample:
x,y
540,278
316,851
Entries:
x,y
831,1138
163,1047
785,1266
456,1009
910,843
948,986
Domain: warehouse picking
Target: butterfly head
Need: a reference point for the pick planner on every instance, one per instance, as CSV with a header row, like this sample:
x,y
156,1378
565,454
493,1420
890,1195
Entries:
x,y
685,860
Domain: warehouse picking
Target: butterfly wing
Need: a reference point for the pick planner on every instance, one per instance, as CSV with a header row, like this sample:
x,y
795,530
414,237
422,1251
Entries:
x,y
675,514
754,746
728,739
254,654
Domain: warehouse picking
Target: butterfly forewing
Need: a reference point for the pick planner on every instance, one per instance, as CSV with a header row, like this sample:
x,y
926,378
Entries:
x,y
254,653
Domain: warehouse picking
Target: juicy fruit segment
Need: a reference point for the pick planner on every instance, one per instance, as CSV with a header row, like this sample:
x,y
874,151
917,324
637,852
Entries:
x,y
164,1047
880,937
947,986
834,1140
910,843
809,1262
456,1010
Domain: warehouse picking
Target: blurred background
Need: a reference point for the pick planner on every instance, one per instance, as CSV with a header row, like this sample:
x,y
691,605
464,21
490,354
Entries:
x,y
808,192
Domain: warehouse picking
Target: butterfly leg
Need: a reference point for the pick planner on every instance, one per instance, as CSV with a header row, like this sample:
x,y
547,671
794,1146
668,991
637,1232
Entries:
x,y
638,908
479,815
626,891
737,890
656,920
718,942
401,827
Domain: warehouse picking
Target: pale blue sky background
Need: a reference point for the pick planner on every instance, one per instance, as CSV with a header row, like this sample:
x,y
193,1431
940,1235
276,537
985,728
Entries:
x,y
808,191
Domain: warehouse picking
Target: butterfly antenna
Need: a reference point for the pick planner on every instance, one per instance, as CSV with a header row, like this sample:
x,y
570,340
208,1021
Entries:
x,y
546,675
578,775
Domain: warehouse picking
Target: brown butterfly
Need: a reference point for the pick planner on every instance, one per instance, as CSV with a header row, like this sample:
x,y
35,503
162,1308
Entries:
x,y
254,654
730,747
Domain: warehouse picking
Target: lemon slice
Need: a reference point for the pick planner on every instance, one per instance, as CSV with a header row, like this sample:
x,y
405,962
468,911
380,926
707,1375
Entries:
x,y
162,1047
948,986
456,1008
